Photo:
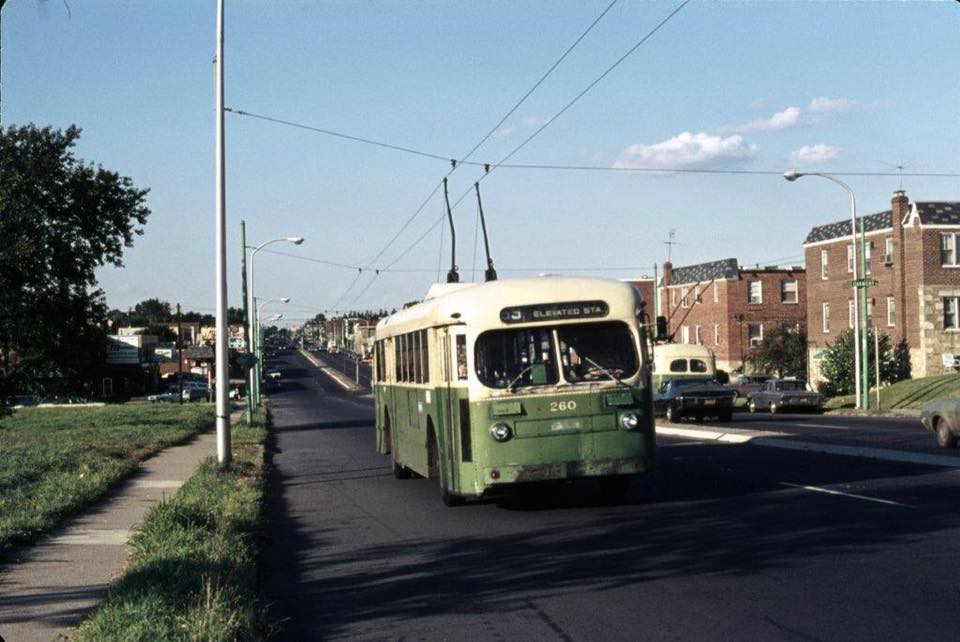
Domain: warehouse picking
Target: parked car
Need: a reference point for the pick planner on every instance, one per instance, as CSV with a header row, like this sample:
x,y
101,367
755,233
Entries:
x,y
170,395
693,397
777,395
63,401
942,417
743,385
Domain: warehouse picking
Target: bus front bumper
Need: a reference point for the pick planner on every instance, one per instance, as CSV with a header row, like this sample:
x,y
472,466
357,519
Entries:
x,y
601,467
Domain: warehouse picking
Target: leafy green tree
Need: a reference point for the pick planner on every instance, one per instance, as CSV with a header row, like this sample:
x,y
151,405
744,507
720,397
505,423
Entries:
x,y
152,311
163,333
901,360
60,219
783,352
838,363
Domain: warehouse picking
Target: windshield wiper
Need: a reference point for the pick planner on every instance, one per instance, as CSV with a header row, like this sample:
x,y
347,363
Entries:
x,y
607,372
519,376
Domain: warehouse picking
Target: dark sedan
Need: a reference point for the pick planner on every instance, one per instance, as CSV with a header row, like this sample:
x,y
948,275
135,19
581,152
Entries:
x,y
693,397
777,395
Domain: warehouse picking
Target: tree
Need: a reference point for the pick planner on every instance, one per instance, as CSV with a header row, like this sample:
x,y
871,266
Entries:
x,y
901,360
60,219
838,363
783,352
163,333
152,311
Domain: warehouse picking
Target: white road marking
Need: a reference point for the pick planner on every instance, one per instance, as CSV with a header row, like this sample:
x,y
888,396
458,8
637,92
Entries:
x,y
817,489
806,425
709,435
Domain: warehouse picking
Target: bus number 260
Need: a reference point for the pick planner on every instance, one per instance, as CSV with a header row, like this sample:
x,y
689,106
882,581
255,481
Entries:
x,y
562,406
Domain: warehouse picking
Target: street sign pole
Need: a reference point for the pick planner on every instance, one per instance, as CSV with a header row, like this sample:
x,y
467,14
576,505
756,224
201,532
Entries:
x,y
222,355
246,319
864,322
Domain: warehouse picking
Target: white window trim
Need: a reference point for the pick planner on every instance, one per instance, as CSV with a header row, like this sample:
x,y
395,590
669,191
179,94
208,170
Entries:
x,y
850,311
750,339
696,335
956,313
716,334
759,300
825,317
851,257
696,294
891,312
684,297
953,242
716,292
824,265
796,291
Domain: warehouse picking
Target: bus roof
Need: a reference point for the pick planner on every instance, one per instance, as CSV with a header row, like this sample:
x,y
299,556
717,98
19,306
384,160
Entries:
x,y
480,304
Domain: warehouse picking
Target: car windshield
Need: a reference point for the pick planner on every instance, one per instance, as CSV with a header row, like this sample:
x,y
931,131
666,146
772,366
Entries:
x,y
512,358
791,385
695,383
592,351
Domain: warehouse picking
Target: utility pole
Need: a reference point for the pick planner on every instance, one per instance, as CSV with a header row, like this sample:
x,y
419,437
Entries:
x,y
2,2
179,356
246,320
222,356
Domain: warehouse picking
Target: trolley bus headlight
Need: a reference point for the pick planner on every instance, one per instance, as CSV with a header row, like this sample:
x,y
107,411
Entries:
x,y
629,421
501,431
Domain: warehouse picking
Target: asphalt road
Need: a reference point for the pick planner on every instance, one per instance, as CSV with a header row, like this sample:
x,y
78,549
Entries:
x,y
722,542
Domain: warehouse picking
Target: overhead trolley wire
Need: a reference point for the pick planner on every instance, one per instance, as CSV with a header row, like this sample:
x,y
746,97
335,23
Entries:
x,y
488,169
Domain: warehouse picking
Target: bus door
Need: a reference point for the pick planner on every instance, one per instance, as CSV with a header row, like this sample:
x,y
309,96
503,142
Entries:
x,y
456,441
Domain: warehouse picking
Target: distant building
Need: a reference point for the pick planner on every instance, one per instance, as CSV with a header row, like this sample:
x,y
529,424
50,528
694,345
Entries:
x,y
728,308
913,251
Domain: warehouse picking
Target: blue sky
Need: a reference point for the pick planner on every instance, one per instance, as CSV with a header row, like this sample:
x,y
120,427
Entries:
x,y
823,86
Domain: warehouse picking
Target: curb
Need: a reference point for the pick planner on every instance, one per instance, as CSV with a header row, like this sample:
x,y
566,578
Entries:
x,y
338,378
773,440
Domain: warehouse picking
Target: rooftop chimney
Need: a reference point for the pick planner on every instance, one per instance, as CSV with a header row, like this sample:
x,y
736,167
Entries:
x,y
667,271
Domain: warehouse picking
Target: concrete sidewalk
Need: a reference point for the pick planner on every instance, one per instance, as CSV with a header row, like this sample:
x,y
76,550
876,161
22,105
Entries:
x,y
47,588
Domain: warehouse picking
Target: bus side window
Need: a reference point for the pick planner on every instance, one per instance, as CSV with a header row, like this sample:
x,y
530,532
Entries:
x,y
461,357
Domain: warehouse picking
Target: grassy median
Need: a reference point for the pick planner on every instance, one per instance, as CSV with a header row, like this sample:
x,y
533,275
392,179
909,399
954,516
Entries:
x,y
192,575
55,462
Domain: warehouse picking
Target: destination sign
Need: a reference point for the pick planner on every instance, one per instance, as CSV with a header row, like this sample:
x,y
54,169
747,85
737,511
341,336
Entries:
x,y
554,311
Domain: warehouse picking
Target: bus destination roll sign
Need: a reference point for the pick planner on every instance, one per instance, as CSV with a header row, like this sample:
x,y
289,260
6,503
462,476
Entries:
x,y
554,311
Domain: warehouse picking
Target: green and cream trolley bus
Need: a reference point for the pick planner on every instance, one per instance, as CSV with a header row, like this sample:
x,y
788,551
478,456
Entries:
x,y
481,386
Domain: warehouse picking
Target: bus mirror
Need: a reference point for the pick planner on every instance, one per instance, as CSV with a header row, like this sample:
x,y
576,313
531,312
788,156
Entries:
x,y
661,328
538,374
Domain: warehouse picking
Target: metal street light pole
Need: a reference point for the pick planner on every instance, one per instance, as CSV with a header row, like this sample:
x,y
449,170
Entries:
x,y
296,240
259,347
857,338
222,356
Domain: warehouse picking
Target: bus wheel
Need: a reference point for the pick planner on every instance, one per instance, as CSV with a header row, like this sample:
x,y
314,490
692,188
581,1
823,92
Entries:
x,y
614,488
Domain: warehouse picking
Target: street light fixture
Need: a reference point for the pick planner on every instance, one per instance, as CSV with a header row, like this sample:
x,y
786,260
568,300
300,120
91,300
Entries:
x,y
861,383
254,372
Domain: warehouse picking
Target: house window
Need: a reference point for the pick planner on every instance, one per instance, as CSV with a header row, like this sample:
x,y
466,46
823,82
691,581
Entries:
x,y
673,297
684,293
696,295
824,256
888,251
891,311
788,291
850,257
716,293
754,334
716,334
697,339
867,251
684,334
948,249
850,311
825,317
754,292
950,319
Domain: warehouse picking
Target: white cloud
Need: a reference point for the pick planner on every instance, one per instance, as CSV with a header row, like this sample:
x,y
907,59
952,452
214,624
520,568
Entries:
x,y
532,122
789,117
814,154
686,150
824,105
504,132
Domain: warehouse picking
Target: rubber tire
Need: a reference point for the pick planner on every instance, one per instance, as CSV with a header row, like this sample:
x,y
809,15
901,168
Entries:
x,y
399,470
945,438
433,471
671,415
752,407
774,409
614,488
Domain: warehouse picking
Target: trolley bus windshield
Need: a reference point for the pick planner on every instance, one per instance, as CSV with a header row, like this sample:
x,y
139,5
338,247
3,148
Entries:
x,y
528,357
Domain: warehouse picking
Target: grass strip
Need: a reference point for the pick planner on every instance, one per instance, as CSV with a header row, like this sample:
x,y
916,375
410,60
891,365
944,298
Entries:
x,y
192,574
57,461
910,393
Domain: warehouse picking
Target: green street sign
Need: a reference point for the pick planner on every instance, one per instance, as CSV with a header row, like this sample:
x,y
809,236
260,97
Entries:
x,y
863,283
